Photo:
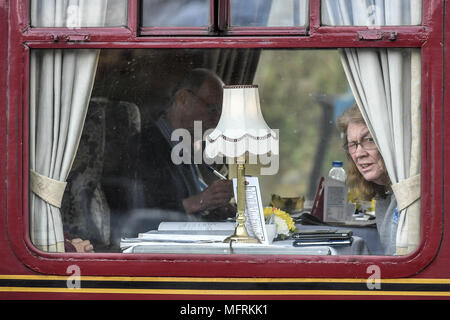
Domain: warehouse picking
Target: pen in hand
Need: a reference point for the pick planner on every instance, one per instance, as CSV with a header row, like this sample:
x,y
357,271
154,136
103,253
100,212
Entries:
x,y
216,173
219,175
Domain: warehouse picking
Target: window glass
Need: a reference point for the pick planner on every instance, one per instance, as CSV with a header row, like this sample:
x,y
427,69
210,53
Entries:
x,y
138,85
371,12
268,13
175,13
125,179
77,14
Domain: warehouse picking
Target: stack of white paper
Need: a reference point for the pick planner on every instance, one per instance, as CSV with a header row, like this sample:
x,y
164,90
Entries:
x,y
182,232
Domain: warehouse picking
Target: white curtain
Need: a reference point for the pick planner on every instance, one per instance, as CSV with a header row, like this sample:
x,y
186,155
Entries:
x,y
371,12
60,86
386,85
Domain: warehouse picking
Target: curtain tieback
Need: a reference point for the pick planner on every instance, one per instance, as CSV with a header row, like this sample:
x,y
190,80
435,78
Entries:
x,y
49,190
407,191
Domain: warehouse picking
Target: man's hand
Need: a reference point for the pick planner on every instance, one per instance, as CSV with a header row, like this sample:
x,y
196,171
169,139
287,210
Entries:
x,y
218,194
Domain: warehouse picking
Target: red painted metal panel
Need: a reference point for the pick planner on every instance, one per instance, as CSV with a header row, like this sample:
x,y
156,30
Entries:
x,y
441,265
9,142
15,145
3,108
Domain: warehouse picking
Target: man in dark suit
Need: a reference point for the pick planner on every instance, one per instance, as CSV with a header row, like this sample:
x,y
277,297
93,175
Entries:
x,y
178,187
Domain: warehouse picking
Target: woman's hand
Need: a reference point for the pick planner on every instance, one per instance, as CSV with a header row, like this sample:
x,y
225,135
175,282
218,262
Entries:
x,y
82,246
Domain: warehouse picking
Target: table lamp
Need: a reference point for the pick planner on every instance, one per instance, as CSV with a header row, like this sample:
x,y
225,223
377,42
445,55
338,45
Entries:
x,y
241,130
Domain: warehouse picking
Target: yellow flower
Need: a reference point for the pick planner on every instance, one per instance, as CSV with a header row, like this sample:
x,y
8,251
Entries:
x,y
269,211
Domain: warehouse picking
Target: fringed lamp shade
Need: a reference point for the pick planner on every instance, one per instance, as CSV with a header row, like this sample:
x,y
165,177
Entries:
x,y
241,127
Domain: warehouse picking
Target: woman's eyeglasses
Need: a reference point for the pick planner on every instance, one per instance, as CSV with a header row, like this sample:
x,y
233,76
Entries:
x,y
367,143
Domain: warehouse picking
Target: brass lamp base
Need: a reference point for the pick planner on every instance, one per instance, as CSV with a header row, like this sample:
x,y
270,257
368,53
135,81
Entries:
x,y
240,233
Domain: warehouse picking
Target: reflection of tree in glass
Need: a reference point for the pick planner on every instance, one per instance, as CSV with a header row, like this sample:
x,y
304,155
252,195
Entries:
x,y
297,92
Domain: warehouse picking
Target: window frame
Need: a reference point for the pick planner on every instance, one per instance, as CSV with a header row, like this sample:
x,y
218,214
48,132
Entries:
x,y
428,37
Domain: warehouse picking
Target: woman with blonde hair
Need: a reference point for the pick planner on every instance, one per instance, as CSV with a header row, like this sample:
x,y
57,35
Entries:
x,y
367,173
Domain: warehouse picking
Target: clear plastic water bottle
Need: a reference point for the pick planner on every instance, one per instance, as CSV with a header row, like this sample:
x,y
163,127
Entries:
x,y
337,172
335,195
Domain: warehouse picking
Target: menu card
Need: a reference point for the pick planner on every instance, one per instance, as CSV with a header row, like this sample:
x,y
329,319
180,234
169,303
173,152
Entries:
x,y
254,213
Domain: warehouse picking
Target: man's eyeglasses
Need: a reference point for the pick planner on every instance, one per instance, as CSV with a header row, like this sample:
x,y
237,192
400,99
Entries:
x,y
367,143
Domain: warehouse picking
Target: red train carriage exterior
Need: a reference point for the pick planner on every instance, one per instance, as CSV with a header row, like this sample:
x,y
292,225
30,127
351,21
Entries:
x,y
27,272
